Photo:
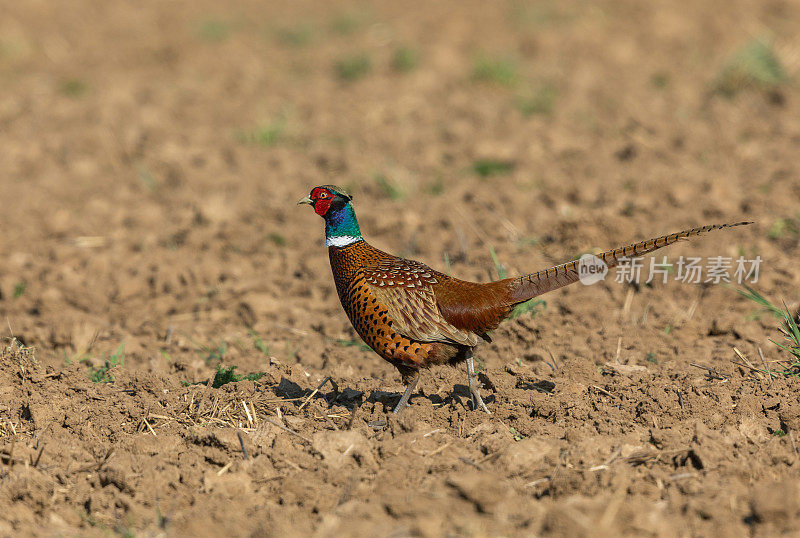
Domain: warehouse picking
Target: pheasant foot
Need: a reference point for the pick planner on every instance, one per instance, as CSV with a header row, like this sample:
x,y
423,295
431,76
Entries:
x,y
406,395
474,386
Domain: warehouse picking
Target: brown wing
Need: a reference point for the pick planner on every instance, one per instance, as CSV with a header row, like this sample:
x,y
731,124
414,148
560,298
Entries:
x,y
406,289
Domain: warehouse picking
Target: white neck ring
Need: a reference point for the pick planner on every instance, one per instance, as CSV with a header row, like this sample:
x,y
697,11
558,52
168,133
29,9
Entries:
x,y
341,240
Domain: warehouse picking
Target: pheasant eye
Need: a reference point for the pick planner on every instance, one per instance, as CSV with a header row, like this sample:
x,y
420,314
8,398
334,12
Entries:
x,y
323,195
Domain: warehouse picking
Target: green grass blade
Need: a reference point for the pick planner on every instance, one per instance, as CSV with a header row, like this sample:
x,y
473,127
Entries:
x,y
759,299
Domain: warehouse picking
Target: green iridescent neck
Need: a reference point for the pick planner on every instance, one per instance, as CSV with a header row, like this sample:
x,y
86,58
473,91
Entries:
x,y
341,227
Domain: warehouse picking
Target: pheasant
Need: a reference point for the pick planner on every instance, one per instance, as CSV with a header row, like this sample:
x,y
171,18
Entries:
x,y
415,317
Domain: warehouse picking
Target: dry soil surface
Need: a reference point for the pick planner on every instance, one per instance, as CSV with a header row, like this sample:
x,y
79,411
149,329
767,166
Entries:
x,y
151,155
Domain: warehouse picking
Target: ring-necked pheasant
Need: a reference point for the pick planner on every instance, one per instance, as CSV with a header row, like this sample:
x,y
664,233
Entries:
x,y
415,317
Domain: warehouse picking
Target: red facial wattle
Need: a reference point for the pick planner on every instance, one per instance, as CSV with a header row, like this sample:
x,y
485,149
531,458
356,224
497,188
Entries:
x,y
322,199
322,205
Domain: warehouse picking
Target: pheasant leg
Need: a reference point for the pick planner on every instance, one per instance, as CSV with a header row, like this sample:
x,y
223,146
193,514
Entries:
x,y
474,386
406,395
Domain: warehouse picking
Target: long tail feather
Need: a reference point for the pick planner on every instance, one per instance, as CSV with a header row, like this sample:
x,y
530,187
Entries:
x,y
529,286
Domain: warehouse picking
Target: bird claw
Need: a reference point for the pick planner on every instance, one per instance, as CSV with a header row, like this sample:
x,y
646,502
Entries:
x,y
403,403
474,387
477,401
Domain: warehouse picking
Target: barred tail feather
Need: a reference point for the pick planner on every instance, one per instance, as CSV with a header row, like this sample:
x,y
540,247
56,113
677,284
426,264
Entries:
x,y
529,286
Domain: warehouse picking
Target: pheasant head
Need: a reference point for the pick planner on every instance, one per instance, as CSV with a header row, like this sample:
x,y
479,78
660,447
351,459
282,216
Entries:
x,y
333,204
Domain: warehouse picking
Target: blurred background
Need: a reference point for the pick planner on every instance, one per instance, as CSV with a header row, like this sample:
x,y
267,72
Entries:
x,y
152,153
151,157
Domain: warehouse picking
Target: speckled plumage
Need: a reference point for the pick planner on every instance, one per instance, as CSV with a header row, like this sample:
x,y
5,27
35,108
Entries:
x,y
415,317
392,305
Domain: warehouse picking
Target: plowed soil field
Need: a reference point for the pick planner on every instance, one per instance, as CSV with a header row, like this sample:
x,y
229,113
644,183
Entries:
x,y
151,157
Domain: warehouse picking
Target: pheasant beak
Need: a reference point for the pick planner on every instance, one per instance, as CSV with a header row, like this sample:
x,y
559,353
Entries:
x,y
306,200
